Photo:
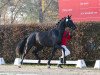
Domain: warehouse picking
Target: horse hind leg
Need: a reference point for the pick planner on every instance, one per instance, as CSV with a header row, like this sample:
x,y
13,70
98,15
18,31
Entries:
x,y
35,52
27,49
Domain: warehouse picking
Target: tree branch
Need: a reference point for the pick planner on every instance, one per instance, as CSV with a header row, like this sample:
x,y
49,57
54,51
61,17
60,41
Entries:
x,y
16,15
47,6
3,5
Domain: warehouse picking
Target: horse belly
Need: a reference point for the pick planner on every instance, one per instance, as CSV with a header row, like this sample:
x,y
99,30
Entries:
x,y
47,43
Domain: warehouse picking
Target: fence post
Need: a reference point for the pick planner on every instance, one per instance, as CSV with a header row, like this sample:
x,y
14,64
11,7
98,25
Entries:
x,y
2,61
81,64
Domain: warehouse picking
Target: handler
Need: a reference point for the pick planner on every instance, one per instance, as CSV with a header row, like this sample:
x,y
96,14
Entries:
x,y
64,42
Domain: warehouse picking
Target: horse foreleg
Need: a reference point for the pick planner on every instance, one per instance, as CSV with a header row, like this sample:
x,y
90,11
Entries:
x,y
52,54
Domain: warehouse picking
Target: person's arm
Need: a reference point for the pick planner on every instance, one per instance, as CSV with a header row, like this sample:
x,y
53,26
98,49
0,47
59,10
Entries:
x,y
71,36
66,34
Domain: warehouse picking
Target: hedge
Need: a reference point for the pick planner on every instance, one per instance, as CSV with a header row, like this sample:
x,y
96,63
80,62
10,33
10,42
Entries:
x,y
80,45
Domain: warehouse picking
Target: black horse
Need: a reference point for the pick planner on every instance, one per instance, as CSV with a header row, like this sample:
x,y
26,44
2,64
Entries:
x,y
49,38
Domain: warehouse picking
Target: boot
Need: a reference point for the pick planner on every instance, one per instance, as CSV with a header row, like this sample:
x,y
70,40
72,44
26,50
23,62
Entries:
x,y
64,60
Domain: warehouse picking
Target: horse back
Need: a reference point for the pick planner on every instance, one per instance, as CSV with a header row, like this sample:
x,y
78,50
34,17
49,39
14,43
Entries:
x,y
47,38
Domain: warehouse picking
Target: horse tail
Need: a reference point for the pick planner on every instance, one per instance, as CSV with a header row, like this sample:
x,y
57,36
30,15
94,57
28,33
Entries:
x,y
20,47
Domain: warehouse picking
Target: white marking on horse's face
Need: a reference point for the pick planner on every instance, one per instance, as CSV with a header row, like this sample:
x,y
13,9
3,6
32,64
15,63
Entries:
x,y
66,19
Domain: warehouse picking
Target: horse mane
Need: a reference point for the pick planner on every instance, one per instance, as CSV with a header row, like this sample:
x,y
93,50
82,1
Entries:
x,y
60,21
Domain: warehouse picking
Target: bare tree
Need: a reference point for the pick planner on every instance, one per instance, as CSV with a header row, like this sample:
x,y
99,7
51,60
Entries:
x,y
13,11
40,11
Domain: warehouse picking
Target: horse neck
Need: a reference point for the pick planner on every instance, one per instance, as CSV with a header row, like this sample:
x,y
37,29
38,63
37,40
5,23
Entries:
x,y
61,27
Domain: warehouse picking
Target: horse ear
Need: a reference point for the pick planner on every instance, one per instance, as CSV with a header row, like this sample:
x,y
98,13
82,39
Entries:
x,y
68,17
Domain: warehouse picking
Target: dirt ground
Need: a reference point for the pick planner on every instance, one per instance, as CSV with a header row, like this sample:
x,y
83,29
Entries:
x,y
43,70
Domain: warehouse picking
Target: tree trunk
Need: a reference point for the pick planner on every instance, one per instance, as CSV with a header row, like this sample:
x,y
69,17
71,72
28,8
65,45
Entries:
x,y
40,12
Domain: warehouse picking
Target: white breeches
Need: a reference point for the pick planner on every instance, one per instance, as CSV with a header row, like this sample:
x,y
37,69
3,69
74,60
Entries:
x,y
67,52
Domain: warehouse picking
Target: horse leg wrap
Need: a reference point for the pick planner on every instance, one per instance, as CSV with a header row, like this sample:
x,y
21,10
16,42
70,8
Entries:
x,y
61,60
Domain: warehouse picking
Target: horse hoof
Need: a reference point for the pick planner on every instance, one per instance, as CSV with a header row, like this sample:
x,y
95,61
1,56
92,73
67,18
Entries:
x,y
19,66
59,66
48,66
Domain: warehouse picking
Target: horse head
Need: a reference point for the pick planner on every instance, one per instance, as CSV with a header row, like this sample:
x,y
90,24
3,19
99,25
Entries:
x,y
69,22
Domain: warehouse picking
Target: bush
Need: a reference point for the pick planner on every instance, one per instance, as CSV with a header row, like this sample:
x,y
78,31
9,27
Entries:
x,y
10,35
